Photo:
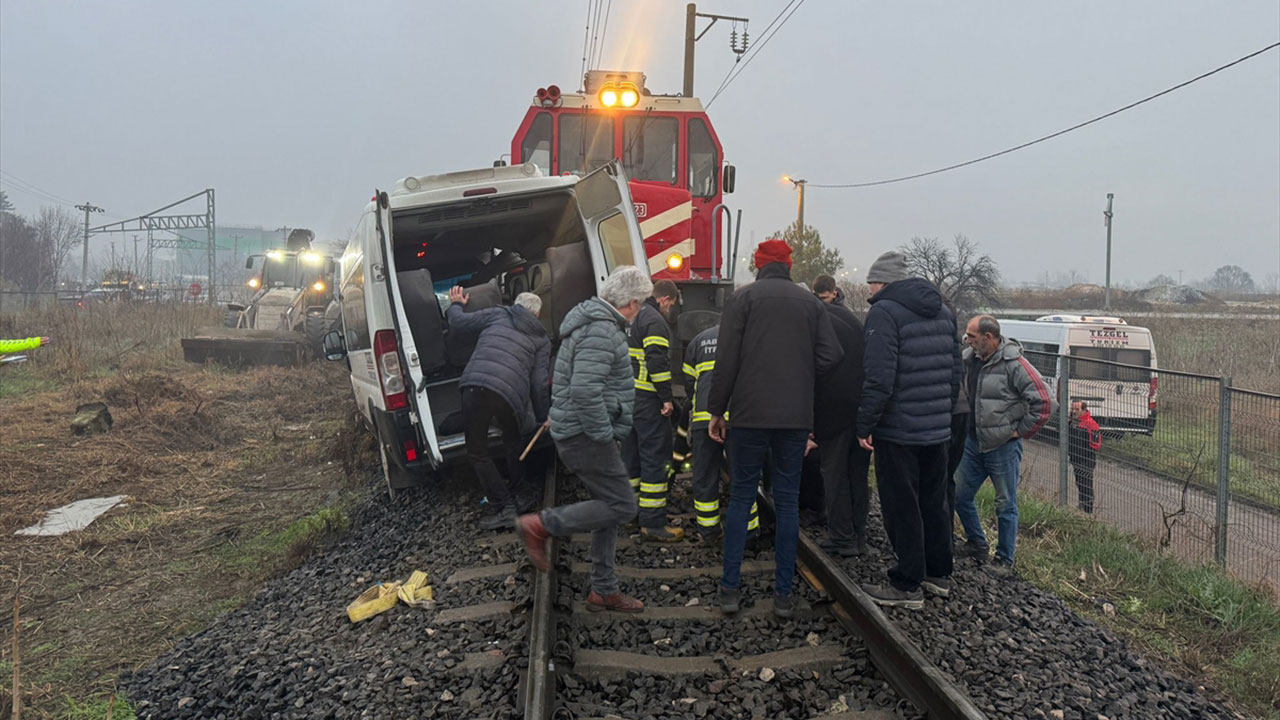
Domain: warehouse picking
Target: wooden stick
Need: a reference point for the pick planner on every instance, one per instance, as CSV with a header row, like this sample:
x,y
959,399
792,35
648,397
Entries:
x,y
531,442
17,697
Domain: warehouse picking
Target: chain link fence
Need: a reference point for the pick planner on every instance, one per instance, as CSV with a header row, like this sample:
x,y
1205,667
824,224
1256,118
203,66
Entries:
x,y
1184,461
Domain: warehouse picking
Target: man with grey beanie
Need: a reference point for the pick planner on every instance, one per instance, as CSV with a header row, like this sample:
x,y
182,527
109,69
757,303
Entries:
x,y
912,375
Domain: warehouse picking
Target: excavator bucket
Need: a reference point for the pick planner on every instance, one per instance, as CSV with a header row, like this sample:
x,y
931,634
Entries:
x,y
239,347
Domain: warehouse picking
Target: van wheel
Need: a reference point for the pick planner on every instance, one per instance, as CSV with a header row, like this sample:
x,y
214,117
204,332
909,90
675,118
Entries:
x,y
231,318
386,470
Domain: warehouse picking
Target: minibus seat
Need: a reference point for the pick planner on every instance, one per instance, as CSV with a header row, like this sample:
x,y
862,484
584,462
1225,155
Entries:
x,y
422,311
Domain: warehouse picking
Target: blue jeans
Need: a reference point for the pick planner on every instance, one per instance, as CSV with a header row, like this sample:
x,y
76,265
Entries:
x,y
1002,466
747,450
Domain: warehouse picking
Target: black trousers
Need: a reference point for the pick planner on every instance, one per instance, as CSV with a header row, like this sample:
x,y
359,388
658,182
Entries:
x,y
647,454
913,499
482,408
845,465
1083,468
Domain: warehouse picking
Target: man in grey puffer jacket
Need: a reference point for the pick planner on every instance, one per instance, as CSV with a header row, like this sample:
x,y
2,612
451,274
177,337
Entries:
x,y
592,399
1008,401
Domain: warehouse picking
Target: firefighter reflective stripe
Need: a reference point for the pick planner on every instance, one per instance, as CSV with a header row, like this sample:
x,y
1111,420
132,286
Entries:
x,y
655,340
653,487
754,522
700,416
708,512
709,506
637,353
644,385
661,377
689,370
648,502
635,483
694,371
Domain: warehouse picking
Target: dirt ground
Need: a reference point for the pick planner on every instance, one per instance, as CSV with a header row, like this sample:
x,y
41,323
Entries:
x,y
230,475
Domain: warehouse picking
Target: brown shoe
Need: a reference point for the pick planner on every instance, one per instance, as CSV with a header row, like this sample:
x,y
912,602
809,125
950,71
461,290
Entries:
x,y
616,602
535,535
662,534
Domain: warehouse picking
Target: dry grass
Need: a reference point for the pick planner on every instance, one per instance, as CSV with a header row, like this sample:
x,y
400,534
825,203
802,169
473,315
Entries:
x,y
229,475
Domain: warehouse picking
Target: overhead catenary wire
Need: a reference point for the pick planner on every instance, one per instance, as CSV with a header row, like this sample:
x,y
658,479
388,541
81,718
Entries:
x,y
27,188
751,51
586,35
604,32
1051,136
765,38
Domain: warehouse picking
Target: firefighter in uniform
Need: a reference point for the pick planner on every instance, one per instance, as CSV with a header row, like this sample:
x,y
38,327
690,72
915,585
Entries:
x,y
647,450
699,368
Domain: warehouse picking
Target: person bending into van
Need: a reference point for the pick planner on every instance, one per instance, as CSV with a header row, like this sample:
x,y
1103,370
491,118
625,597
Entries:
x,y
647,450
1085,440
507,383
912,369
1008,401
592,401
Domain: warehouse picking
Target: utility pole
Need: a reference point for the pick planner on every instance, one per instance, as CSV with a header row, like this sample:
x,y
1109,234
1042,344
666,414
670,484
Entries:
x,y
84,258
1106,214
113,256
799,184
136,267
692,36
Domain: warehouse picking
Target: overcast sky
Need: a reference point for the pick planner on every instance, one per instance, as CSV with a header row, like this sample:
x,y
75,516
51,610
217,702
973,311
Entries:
x,y
295,111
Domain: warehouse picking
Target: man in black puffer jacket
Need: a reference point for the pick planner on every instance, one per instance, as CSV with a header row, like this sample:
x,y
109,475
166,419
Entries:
x,y
507,382
913,372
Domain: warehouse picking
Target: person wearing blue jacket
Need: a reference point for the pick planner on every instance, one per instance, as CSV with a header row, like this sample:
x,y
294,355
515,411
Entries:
x,y
912,375
592,403
506,382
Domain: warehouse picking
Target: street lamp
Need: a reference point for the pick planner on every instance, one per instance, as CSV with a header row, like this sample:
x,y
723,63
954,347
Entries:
x,y
799,185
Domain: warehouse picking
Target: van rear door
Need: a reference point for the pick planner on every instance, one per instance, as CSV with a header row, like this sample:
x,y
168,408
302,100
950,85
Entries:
x,y
609,217
409,362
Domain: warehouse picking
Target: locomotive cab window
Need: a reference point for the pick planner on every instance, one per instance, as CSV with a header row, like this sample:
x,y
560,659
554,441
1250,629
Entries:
x,y
586,142
649,148
536,146
704,163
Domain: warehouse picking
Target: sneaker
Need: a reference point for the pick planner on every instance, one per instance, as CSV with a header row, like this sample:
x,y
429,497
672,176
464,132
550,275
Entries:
x,y
616,602
784,606
840,550
890,596
1000,568
730,599
970,549
501,519
662,534
534,534
940,586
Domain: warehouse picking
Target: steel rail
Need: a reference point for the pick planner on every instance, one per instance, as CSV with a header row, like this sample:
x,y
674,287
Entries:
x,y
903,664
539,693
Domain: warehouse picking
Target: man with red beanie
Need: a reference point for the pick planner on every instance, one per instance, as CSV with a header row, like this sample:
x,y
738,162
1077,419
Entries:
x,y
775,339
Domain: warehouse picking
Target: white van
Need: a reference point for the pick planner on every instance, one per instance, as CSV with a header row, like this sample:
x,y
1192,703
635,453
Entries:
x,y
1116,371
496,231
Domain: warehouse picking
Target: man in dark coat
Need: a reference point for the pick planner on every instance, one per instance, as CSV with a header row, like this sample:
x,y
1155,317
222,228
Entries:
x,y
912,367
775,339
845,463
506,382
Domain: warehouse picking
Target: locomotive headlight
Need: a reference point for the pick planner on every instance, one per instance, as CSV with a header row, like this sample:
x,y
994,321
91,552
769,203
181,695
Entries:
x,y
608,97
310,258
629,97
254,283
675,261
318,286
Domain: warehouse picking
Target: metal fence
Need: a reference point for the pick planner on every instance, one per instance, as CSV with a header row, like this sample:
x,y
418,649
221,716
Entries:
x,y
1187,461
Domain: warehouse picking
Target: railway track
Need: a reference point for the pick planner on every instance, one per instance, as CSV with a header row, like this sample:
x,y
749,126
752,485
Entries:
x,y
838,658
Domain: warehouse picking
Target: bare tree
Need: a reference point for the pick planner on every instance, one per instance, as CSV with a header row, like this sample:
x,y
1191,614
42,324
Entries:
x,y
59,232
1231,279
1161,279
961,272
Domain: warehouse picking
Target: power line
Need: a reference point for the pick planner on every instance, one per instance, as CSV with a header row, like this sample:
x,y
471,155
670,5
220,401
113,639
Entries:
x,y
758,48
586,35
603,33
21,185
733,67
1053,135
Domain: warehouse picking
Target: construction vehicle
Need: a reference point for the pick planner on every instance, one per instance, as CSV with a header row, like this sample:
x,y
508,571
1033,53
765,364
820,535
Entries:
x,y
285,320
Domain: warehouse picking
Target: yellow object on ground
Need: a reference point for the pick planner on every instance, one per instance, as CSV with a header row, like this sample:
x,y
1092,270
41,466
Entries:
x,y
377,599
416,592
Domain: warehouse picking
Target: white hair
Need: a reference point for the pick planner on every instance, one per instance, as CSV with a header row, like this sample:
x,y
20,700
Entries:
x,y
530,302
625,284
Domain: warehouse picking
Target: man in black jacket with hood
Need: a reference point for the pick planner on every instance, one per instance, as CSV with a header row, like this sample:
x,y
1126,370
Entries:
x,y
913,373
767,362
845,463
